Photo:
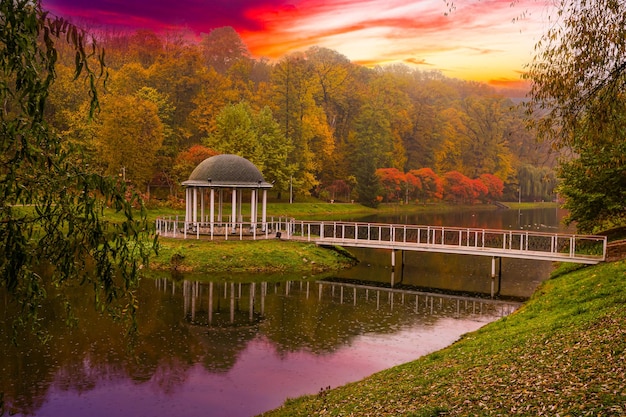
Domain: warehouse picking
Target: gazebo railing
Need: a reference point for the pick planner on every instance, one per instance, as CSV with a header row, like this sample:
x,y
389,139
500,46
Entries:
x,y
173,226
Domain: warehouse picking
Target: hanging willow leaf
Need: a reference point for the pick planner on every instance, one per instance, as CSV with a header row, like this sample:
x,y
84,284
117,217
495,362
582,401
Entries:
x,y
60,229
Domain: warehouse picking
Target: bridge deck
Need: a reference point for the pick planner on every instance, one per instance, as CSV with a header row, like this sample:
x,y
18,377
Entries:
x,y
519,244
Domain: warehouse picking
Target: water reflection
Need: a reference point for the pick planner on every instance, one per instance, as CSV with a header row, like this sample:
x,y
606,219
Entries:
x,y
461,273
228,348
241,305
232,347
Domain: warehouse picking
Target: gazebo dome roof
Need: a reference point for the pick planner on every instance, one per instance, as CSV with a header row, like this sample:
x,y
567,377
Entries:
x,y
227,170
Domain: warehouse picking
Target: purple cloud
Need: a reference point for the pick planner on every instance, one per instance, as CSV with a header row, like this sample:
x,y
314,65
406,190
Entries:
x,y
197,15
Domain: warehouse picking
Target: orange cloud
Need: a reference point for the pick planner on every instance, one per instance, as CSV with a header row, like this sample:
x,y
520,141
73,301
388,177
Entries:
x,y
477,40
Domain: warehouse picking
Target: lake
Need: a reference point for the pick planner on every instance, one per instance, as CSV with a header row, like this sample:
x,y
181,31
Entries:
x,y
238,347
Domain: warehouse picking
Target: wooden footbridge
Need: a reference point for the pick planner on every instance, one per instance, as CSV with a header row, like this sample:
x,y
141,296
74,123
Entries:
x,y
495,243
521,244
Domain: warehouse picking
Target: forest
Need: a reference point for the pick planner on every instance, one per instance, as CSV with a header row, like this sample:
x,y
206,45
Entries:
x,y
312,120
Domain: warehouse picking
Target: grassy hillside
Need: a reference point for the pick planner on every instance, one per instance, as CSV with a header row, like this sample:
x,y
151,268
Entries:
x,y
563,353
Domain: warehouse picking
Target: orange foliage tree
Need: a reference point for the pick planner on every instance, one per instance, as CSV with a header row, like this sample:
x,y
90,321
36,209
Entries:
x,y
480,190
187,160
458,188
431,186
494,184
392,181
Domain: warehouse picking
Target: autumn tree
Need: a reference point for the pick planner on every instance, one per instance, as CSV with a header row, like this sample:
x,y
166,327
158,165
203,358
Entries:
x,y
187,160
578,79
484,147
178,77
215,93
388,95
392,182
336,96
255,136
223,47
129,137
295,108
479,191
52,230
276,149
431,186
495,186
458,188
430,94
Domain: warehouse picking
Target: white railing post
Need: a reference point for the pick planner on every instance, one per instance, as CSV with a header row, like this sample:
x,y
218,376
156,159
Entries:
x,y
527,241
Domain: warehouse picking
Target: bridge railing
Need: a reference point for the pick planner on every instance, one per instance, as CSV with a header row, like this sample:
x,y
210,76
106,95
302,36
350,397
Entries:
x,y
368,234
173,226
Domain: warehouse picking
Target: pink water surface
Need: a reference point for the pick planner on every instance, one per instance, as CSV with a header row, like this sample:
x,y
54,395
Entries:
x,y
261,379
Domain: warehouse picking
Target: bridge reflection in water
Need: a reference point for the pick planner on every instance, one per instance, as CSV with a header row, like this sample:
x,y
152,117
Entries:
x,y
231,304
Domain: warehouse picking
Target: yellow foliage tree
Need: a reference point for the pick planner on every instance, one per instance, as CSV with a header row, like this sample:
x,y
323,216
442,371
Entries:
x,y
129,137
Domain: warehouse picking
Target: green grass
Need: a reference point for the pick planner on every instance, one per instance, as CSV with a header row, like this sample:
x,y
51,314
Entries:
x,y
562,353
270,255
316,208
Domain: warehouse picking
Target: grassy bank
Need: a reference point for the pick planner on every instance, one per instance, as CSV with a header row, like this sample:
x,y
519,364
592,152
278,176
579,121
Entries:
x,y
270,255
339,210
563,353
273,256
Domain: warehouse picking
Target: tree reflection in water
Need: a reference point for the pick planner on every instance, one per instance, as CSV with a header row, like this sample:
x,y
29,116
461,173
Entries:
x,y
293,337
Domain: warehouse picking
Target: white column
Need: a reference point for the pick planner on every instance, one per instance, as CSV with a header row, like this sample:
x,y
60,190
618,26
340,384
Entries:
x,y
239,216
202,205
234,209
221,202
187,204
212,208
264,211
253,209
195,205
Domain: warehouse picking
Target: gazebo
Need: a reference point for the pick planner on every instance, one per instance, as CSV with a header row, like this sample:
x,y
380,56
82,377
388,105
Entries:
x,y
216,176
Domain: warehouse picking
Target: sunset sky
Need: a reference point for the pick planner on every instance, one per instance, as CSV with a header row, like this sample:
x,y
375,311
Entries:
x,y
482,40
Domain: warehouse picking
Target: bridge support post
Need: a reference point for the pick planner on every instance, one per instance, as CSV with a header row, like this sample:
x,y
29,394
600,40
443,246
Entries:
x,y
393,259
493,275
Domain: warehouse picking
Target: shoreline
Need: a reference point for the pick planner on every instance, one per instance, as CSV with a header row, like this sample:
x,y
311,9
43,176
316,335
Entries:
x,y
273,255
560,351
